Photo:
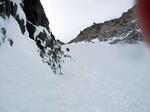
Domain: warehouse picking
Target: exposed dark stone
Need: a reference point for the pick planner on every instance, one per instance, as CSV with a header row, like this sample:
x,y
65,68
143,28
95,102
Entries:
x,y
8,7
38,43
35,13
42,36
67,49
21,24
2,8
31,29
3,30
10,42
60,42
14,9
115,41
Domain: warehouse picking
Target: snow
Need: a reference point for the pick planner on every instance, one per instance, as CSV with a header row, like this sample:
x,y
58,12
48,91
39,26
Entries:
x,y
19,77
133,21
94,40
98,78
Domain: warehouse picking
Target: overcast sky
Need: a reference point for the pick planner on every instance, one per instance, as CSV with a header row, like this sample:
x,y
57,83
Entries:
x,y
68,17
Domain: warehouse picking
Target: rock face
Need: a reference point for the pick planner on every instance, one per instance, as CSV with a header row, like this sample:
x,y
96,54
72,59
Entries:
x,y
35,13
32,20
121,30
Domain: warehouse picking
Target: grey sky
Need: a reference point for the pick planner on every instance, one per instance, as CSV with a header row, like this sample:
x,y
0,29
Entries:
x,y
68,17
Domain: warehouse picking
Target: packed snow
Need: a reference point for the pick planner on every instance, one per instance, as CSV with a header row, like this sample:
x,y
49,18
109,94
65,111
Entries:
x,y
98,78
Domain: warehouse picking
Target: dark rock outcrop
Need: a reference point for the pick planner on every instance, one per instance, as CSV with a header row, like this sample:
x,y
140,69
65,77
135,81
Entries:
x,y
35,13
60,42
121,30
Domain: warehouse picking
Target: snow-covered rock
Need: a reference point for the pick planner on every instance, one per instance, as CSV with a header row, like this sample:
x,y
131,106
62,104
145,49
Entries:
x,y
30,17
121,30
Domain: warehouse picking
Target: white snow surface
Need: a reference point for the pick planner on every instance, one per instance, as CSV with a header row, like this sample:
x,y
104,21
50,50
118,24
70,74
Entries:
x,y
98,78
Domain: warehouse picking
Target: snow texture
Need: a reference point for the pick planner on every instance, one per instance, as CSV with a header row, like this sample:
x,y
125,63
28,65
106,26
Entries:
x,y
98,78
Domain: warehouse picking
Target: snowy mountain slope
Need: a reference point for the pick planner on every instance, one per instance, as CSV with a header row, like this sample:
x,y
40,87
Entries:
x,y
98,78
124,30
19,21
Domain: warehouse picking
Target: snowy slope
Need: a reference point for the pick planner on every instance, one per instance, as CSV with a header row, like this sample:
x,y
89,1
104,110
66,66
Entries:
x,y
98,78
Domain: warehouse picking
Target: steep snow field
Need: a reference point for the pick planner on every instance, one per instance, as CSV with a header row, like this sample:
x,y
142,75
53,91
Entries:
x,y
98,78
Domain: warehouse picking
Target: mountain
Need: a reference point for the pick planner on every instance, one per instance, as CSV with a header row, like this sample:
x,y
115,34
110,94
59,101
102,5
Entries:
x,y
121,30
27,19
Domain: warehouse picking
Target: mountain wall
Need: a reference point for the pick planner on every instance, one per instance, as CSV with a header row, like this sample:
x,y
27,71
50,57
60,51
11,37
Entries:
x,y
30,16
121,30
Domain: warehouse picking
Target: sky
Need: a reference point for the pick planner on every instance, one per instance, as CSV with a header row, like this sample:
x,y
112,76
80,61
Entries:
x,y
68,17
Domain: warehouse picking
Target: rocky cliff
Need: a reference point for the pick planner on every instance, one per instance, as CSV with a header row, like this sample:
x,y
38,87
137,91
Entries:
x,y
29,15
121,30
